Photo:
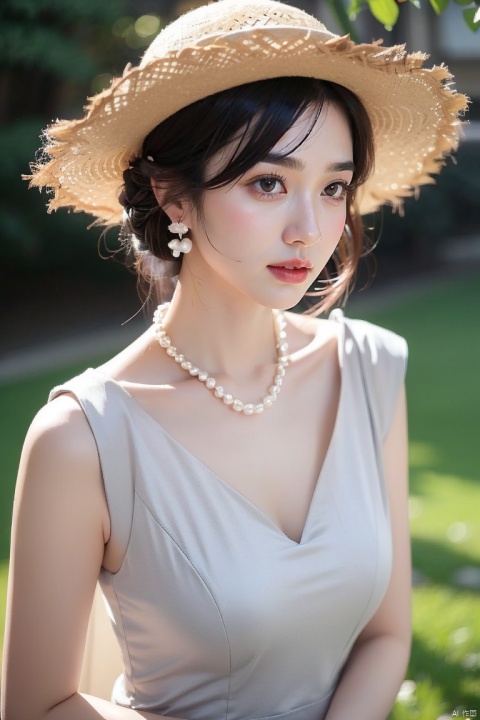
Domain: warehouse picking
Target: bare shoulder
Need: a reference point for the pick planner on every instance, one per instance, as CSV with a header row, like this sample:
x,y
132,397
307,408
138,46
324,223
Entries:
x,y
60,459
60,426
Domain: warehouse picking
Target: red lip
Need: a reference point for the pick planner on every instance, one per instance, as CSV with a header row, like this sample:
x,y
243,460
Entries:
x,y
296,263
288,274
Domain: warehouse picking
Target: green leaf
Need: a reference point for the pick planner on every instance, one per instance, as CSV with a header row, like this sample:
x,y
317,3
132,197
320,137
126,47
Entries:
x,y
385,11
439,5
472,18
463,2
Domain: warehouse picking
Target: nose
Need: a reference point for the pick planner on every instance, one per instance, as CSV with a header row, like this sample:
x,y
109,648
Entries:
x,y
303,226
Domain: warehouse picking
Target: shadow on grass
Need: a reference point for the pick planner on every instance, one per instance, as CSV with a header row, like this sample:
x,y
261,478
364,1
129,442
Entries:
x,y
437,562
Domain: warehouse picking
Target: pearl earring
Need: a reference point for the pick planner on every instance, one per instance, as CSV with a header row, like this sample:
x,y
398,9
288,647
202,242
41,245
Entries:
x,y
179,245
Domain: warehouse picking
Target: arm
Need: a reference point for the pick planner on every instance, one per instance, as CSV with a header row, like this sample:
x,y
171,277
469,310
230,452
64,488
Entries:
x,y
377,664
60,526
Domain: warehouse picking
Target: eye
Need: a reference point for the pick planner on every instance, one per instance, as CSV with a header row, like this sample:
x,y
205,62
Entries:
x,y
269,185
336,190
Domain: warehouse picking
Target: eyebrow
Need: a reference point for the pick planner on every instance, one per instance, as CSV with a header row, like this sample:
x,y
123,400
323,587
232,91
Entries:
x,y
295,164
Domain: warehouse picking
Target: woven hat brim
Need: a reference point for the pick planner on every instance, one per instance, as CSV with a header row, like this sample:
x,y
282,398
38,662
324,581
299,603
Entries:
x,y
413,109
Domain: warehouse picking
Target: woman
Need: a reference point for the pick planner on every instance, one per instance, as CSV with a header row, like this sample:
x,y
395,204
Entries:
x,y
236,477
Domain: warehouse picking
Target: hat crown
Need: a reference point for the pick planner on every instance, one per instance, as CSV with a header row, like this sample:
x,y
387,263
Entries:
x,y
228,16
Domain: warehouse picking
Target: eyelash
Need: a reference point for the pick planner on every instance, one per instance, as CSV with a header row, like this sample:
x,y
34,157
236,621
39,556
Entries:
x,y
346,188
271,176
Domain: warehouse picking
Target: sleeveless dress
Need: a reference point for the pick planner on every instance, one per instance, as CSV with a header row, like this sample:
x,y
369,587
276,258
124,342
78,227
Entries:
x,y
219,614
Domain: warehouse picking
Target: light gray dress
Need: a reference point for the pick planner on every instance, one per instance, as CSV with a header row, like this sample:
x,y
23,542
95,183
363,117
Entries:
x,y
219,615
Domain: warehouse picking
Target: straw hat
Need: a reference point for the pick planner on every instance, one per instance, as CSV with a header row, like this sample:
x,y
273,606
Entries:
x,y
414,110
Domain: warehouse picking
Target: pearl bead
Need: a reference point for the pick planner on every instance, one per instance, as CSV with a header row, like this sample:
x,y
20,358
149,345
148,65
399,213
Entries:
x,y
210,382
185,245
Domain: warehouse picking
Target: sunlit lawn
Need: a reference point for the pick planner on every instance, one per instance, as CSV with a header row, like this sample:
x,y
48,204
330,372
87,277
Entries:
x,y
443,331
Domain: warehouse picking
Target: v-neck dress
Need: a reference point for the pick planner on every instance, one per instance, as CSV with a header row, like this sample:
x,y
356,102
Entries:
x,y
219,615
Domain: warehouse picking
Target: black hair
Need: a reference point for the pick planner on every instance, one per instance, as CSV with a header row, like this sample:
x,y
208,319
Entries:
x,y
251,118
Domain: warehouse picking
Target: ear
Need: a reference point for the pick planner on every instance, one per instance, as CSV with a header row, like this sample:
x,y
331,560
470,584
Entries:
x,y
176,211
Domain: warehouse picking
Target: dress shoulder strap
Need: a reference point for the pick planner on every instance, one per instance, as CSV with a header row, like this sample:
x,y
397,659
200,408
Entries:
x,y
107,416
382,356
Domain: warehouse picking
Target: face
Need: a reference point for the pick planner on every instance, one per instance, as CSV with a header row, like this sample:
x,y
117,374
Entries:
x,y
265,238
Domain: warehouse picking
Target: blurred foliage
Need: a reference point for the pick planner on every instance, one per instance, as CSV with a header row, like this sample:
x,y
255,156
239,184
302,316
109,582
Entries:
x,y
387,12
54,37
53,54
49,47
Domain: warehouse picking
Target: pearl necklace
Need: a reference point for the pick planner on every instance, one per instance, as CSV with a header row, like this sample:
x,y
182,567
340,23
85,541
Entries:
x,y
210,382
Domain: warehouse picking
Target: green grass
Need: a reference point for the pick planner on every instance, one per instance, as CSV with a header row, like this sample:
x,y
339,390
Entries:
x,y
443,332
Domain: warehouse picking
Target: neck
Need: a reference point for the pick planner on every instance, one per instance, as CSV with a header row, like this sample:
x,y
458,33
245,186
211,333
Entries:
x,y
230,338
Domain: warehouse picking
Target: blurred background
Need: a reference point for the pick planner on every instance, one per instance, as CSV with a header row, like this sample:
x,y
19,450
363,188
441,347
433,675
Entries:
x,y
62,307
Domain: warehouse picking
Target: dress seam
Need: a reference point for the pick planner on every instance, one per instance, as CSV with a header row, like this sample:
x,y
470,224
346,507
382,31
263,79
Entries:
x,y
120,611
125,638
210,593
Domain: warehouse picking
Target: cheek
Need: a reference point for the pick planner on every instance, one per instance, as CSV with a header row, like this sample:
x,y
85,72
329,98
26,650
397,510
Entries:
x,y
340,224
234,218
336,225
